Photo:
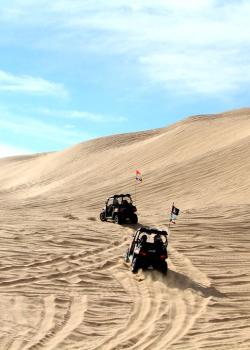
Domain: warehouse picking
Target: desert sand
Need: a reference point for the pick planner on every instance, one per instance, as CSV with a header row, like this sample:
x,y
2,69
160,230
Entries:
x,y
63,282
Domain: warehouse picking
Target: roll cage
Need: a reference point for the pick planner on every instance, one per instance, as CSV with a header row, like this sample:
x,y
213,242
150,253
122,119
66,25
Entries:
x,y
148,231
119,199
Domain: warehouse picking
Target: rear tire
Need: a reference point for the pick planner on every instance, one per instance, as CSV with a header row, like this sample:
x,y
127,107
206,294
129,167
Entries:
x,y
134,219
117,219
135,265
164,267
102,216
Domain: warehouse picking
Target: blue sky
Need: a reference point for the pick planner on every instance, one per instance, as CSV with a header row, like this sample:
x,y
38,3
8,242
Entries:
x,y
72,70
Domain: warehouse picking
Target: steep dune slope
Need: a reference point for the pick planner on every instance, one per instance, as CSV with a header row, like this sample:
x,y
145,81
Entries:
x,y
198,153
63,282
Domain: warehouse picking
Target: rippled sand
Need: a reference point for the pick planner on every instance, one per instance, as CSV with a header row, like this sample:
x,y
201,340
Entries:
x,y
63,282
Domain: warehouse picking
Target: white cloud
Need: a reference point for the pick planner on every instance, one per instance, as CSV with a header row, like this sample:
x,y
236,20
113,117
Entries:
x,y
206,73
82,115
196,46
42,130
29,84
9,150
92,117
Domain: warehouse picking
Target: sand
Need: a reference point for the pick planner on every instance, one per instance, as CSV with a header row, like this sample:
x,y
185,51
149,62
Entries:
x,y
63,282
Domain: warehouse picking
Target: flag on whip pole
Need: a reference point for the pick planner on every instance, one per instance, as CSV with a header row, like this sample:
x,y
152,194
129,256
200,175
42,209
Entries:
x,y
138,176
174,213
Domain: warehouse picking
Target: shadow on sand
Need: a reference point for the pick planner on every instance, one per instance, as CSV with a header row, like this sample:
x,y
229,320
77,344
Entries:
x,y
179,280
134,227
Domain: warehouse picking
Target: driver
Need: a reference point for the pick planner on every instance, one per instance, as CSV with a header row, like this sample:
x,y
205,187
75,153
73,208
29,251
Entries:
x,y
143,240
158,239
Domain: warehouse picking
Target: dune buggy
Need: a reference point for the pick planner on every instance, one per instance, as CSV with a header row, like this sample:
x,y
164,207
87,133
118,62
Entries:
x,y
120,209
148,250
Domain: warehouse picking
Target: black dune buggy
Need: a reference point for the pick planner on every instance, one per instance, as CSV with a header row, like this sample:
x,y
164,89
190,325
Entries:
x,y
120,209
148,250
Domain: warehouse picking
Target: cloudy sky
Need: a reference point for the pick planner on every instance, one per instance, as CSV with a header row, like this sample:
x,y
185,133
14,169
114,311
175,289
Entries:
x,y
71,70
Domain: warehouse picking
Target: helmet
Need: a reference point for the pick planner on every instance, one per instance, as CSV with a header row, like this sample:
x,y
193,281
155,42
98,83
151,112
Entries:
x,y
157,238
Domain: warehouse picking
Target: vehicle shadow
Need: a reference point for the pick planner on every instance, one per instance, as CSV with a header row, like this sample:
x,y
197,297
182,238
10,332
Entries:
x,y
134,227
179,280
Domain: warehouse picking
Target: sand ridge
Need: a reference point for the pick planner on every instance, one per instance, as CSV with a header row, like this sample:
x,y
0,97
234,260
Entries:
x,y
63,282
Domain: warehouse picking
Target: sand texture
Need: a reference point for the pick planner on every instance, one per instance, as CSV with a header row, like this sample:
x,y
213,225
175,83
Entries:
x,y
63,281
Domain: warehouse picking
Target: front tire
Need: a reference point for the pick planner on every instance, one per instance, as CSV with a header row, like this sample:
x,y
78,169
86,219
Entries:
x,y
102,216
126,256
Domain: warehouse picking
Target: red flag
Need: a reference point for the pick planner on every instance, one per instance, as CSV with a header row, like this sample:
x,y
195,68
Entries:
x,y
138,176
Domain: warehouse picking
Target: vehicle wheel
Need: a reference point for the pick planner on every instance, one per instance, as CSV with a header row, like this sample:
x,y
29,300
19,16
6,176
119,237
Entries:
x,y
164,267
135,265
126,256
134,219
117,219
102,216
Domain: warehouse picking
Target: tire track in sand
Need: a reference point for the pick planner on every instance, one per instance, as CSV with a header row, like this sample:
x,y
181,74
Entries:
x,y
140,311
162,312
170,314
47,322
50,337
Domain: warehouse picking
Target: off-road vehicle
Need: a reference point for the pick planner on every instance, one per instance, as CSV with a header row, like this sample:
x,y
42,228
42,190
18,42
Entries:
x,y
120,209
148,250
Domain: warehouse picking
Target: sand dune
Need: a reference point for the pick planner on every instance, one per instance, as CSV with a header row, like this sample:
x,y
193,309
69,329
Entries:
x,y
63,281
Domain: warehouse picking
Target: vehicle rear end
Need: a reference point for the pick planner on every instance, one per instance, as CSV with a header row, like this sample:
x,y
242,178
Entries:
x,y
128,212
153,256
